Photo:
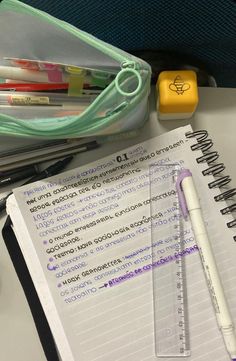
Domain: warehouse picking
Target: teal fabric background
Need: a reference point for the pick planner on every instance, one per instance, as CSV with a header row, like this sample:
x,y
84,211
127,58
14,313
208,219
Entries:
x,y
202,29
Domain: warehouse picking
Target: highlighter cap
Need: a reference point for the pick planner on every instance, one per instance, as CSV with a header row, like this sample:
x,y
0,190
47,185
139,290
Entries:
x,y
178,92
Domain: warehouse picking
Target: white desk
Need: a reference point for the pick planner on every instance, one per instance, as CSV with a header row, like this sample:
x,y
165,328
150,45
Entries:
x,y
216,113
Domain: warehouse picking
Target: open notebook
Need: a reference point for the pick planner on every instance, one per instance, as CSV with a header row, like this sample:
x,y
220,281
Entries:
x,y
84,234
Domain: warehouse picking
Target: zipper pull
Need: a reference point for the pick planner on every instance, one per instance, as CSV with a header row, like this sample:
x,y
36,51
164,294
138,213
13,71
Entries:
x,y
129,70
117,109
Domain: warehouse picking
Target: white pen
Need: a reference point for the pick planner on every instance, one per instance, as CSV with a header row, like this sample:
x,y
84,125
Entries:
x,y
189,203
42,76
11,72
19,74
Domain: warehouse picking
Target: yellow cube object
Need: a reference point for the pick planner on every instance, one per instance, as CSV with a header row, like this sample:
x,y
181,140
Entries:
x,y
177,94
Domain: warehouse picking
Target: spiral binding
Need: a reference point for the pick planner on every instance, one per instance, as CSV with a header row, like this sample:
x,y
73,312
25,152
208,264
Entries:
x,y
210,157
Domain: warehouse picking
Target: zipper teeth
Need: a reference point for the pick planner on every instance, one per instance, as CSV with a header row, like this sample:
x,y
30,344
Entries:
x,y
78,33
96,43
69,127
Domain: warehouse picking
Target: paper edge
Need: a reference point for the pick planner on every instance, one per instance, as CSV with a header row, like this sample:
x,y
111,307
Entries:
x,y
41,284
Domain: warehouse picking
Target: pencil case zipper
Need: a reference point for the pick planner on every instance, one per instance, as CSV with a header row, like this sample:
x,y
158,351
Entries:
x,y
125,63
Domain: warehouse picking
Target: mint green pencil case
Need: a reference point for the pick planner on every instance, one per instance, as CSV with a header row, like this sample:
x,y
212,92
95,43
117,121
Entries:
x,y
122,104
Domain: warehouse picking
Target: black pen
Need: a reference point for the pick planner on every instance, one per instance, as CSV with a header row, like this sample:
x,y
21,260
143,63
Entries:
x,y
18,175
48,172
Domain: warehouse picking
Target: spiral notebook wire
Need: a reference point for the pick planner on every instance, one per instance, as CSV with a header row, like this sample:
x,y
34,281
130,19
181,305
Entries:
x,y
216,169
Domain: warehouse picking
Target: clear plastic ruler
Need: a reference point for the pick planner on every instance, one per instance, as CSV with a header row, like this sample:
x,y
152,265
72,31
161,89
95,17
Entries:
x,y
169,278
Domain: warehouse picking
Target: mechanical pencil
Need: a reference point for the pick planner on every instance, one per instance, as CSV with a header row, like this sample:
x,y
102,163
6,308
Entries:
x,y
48,172
44,99
49,155
34,147
19,175
12,171
189,202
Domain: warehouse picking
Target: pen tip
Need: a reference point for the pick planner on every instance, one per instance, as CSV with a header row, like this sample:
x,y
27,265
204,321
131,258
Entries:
x,y
68,159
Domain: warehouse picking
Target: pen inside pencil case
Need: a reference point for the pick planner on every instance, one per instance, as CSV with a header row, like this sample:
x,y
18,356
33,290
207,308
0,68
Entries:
x,y
43,105
43,99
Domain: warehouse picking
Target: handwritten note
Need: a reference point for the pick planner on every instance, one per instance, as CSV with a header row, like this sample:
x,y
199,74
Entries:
x,y
86,237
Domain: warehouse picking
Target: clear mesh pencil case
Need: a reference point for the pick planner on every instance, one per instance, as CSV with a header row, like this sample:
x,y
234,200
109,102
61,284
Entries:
x,y
109,87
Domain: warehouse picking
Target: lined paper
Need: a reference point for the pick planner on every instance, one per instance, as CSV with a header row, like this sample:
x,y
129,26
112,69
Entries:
x,y
86,238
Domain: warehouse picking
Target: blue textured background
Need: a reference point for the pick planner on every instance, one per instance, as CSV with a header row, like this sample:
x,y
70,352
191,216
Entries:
x,y
204,29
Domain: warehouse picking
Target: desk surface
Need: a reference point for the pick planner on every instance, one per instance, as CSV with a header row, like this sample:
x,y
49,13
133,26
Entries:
x,y
216,114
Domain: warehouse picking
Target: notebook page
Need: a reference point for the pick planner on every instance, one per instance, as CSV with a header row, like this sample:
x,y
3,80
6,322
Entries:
x,y
85,235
